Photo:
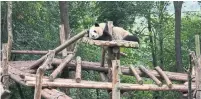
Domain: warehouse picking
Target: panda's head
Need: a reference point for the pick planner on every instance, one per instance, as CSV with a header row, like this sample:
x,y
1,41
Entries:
x,y
95,31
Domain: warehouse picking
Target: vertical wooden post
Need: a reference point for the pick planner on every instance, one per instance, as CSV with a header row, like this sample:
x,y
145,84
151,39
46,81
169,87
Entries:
x,y
197,45
115,79
40,73
9,28
78,70
198,68
5,67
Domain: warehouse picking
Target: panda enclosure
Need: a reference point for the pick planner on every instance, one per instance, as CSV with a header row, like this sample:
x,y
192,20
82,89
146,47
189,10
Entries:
x,y
32,73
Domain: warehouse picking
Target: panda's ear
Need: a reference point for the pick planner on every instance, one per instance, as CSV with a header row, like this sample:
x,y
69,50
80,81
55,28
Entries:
x,y
96,25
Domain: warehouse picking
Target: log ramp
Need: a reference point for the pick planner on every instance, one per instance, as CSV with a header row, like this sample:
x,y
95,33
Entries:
x,y
31,73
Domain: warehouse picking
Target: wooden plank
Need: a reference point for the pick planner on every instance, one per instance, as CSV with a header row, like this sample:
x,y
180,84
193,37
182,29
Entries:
x,y
78,70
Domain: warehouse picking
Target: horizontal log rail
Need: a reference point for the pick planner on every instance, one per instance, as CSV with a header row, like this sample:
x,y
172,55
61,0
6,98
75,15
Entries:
x,y
96,66
71,83
36,52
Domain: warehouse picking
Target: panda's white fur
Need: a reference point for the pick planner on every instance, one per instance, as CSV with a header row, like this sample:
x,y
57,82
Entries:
x,y
100,32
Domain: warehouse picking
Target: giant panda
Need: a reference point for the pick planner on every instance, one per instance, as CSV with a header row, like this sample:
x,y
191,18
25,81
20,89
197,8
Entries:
x,y
100,32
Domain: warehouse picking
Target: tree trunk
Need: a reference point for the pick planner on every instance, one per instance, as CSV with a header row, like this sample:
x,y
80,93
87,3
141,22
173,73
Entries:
x,y
178,6
63,6
151,41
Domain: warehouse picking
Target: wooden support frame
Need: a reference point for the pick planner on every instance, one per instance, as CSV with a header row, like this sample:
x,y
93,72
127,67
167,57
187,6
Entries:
x,y
60,67
78,70
40,73
115,79
138,78
167,80
59,48
158,82
35,52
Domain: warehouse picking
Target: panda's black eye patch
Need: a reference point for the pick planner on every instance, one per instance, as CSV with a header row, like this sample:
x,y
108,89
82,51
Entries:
x,y
94,31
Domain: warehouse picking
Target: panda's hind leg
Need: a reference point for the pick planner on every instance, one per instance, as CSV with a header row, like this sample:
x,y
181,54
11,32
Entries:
x,y
131,38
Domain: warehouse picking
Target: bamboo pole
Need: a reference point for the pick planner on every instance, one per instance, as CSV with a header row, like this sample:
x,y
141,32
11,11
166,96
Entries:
x,y
69,83
59,48
138,78
162,73
40,73
60,67
78,70
158,82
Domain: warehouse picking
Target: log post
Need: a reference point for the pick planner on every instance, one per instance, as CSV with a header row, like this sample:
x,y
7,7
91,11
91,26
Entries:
x,y
115,79
167,80
59,48
102,75
5,67
60,67
158,82
9,29
198,79
78,70
134,72
40,73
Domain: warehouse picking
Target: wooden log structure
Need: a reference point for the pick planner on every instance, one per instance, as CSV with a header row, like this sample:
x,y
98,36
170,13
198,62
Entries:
x,y
158,82
5,67
134,72
9,29
96,66
119,43
71,83
115,79
60,67
53,94
59,48
198,78
78,70
40,74
162,73
35,52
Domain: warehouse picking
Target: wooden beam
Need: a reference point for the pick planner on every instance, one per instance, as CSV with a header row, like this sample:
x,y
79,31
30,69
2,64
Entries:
x,y
40,74
36,52
59,48
158,82
5,66
60,67
174,76
162,73
198,79
78,70
53,93
9,29
71,83
115,79
137,76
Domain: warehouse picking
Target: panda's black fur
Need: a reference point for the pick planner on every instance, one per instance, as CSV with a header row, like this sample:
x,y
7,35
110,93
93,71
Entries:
x,y
106,36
